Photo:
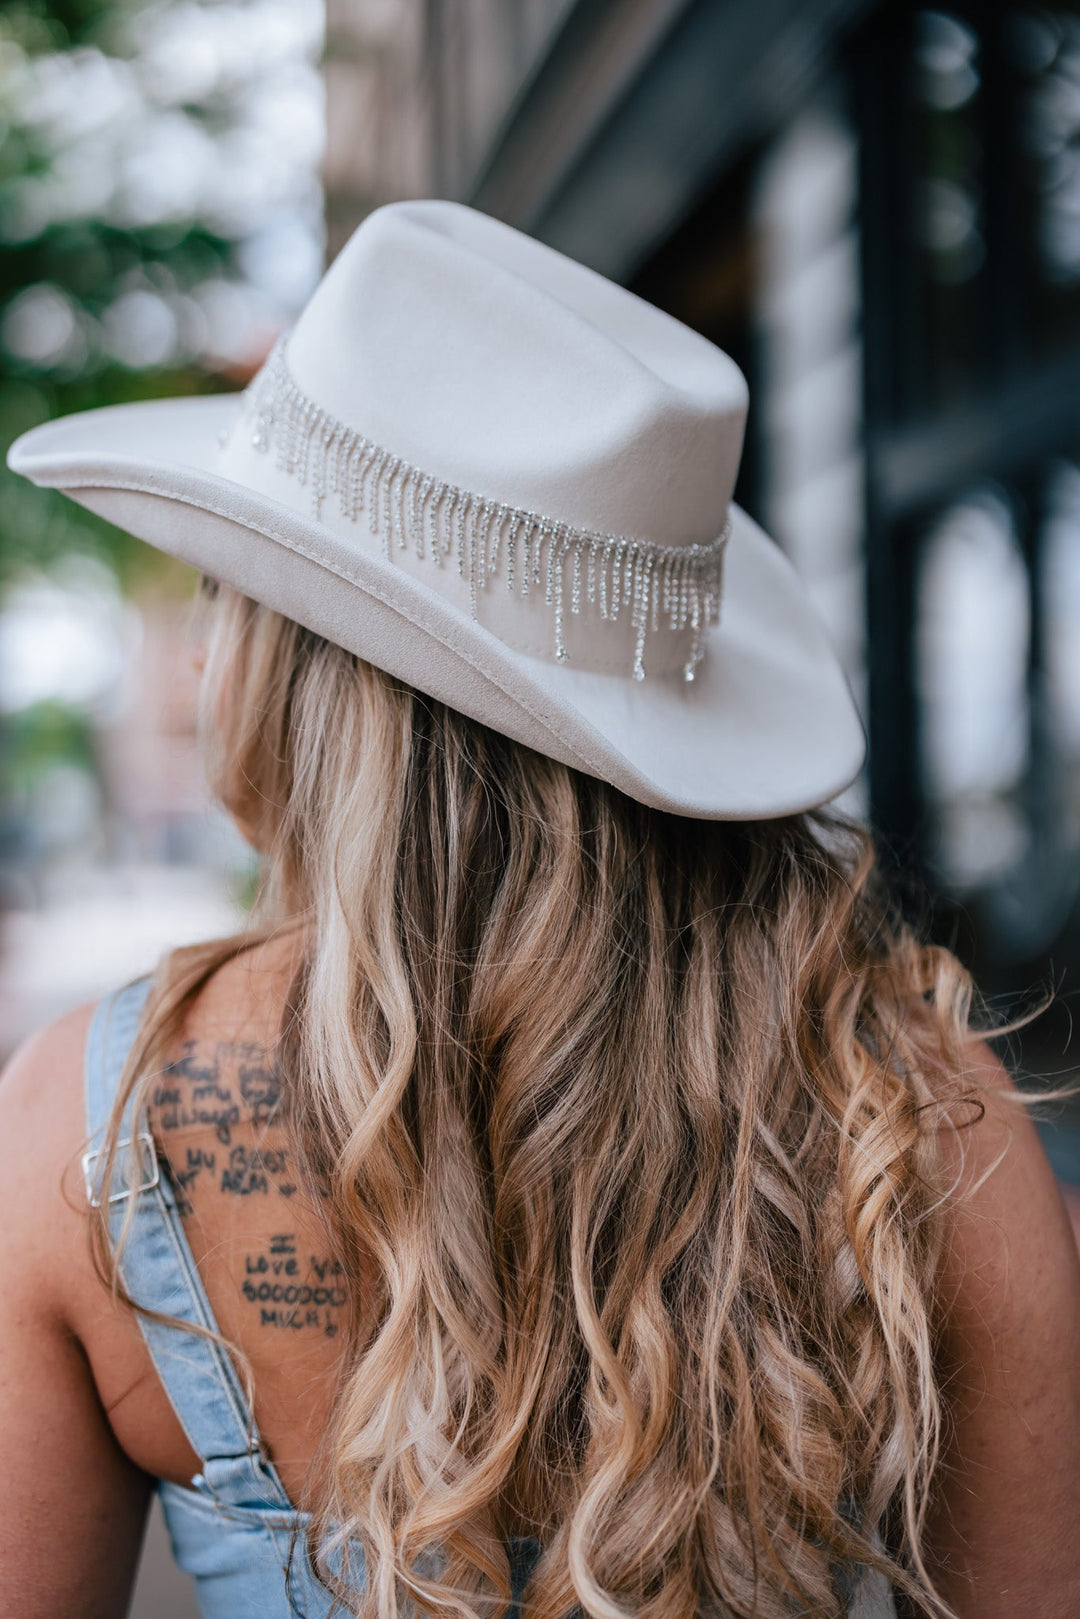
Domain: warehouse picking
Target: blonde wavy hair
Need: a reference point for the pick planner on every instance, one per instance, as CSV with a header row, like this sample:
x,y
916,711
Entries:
x,y
637,1120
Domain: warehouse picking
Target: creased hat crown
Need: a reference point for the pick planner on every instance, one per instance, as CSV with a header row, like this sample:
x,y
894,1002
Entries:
x,y
486,399
497,364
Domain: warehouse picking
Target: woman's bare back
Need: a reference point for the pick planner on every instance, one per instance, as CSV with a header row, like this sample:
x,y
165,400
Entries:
x,y
259,1244
88,1424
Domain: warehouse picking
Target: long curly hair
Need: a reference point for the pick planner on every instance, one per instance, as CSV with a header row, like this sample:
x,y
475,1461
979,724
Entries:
x,y
637,1120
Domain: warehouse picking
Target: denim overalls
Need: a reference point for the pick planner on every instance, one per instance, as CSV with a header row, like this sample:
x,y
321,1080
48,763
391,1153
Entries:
x,y
234,1531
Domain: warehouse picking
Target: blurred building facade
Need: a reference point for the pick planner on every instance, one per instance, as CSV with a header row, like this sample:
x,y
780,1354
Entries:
x,y
875,207
417,92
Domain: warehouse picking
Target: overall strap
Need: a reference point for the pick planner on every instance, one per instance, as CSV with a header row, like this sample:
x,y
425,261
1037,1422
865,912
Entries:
x,y
159,1271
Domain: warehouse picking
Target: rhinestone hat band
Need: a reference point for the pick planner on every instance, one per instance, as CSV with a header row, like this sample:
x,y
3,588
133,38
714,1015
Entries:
x,y
679,585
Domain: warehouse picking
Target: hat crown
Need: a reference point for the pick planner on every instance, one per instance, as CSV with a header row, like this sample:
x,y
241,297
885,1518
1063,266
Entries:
x,y
495,363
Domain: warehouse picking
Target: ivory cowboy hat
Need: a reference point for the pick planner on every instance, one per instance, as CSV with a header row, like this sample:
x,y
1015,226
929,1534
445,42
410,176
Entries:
x,y
506,481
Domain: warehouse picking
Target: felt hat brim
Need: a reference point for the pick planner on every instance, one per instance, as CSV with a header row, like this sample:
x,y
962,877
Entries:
x,y
767,728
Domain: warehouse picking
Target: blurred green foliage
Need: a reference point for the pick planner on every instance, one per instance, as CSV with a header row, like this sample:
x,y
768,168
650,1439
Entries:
x,y
36,742
42,736
89,259
38,27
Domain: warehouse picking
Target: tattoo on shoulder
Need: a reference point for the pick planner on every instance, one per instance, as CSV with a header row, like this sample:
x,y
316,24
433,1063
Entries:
x,y
292,1289
260,1087
253,1170
218,1084
220,1088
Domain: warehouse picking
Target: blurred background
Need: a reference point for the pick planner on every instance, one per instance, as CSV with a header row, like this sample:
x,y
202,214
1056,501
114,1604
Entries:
x,y
873,205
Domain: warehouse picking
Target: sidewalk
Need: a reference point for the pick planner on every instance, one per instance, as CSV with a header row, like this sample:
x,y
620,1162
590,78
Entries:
x,y
161,1590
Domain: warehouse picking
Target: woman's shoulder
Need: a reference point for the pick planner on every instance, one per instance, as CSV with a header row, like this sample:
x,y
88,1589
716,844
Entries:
x,y
1010,1279
244,997
61,1462
42,1134
1009,1309
43,1122
1004,1197
260,1247
49,1062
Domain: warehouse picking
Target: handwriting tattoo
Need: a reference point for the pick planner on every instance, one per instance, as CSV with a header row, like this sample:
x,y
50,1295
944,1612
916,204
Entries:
x,y
260,1088
197,1092
294,1293
230,1094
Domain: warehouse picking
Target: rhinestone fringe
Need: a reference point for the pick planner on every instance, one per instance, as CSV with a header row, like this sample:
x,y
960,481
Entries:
x,y
680,585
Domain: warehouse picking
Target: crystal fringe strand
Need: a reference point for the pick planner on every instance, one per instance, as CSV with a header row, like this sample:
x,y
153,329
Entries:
x,y
679,585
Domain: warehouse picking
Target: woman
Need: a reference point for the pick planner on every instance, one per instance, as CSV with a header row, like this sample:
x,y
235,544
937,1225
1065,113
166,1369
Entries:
x,y
576,1187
